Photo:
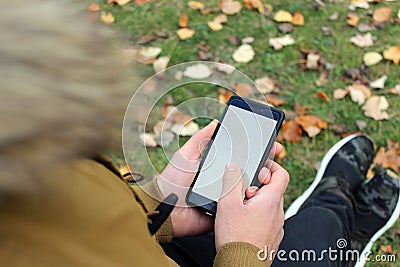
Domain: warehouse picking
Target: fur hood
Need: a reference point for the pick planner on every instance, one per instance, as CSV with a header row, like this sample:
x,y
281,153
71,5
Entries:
x,y
63,90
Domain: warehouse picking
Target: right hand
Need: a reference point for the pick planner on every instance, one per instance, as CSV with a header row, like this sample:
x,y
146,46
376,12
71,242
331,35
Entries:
x,y
259,220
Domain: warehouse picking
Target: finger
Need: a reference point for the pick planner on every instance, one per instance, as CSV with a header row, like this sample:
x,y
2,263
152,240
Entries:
x,y
232,186
276,149
193,148
264,176
279,180
251,191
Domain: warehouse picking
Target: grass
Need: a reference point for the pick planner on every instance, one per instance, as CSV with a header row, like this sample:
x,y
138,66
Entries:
x,y
283,66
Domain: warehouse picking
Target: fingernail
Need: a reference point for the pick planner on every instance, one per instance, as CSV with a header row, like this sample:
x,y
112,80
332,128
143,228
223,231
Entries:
x,y
252,189
231,166
214,121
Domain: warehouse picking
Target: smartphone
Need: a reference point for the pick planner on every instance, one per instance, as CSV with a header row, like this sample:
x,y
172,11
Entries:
x,y
245,135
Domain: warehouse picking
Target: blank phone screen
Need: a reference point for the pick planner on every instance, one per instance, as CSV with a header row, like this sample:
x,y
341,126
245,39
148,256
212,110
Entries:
x,y
242,138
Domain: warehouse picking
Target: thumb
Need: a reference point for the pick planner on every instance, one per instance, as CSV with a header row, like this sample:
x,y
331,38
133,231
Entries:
x,y
232,185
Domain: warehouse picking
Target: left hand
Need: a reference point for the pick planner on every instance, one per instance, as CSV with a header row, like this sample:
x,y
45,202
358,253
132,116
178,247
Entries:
x,y
178,176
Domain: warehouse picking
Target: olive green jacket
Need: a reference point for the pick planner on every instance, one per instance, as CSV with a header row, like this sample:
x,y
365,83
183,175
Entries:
x,y
85,214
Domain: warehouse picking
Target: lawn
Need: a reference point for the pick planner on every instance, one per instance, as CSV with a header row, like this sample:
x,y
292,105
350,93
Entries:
x,y
283,66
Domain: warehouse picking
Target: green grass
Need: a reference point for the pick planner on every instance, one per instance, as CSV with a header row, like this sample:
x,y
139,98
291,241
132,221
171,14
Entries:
x,y
283,66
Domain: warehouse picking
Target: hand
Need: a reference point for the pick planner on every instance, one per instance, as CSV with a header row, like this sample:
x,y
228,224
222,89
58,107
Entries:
x,y
178,176
259,220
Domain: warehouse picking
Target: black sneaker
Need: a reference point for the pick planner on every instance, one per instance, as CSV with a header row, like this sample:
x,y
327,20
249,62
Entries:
x,y
349,159
377,209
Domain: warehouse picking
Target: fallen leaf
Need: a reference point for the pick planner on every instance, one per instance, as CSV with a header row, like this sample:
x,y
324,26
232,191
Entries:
x,y
322,95
243,54
361,125
205,55
340,93
178,75
322,79
94,7
142,2
221,18
334,16
233,39
389,157
353,19
395,90
181,117
286,27
161,126
283,16
160,64
148,139
339,129
165,138
243,89
197,71
147,53
382,14
372,58
224,95
365,40
185,33
107,18
291,131
265,85
146,39
215,26
363,27
185,130
279,42
375,108
301,110
230,7
312,61
358,4
275,101
379,83
298,19
311,124
183,21
119,2
392,53
248,40
195,5
228,69
387,249
359,93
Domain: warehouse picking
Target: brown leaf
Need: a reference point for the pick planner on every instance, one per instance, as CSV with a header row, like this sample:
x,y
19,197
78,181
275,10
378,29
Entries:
x,y
387,249
181,117
230,7
359,93
382,14
322,95
195,5
392,53
265,84
146,39
142,2
301,110
224,95
338,128
221,18
243,89
395,90
340,93
233,39
298,19
311,124
291,131
183,21
388,158
94,7
322,79
375,108
353,19
185,33
275,100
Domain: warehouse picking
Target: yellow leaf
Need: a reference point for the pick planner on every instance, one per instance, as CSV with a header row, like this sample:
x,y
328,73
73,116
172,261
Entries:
x,y
119,2
107,18
185,33
283,16
392,53
214,26
382,14
195,5
353,19
298,19
372,58
230,7
94,7
221,18
375,108
243,54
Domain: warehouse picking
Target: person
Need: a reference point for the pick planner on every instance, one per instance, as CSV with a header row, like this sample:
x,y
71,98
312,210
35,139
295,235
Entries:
x,y
62,204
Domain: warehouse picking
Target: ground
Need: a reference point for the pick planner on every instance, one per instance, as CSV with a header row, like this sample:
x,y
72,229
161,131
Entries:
x,y
296,84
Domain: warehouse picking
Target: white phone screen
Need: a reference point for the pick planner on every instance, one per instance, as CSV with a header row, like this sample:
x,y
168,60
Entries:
x,y
242,138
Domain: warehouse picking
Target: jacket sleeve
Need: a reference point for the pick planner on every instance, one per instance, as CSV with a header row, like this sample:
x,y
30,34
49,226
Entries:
x,y
238,254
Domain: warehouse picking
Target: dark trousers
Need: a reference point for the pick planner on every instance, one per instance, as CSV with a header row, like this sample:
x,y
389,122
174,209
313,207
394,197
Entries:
x,y
320,225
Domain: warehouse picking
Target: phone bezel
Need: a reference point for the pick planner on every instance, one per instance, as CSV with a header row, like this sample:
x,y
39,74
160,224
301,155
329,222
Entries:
x,y
193,198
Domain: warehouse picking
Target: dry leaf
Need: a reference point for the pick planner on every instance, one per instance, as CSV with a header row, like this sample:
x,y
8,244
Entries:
x,y
365,40
312,61
160,64
147,53
375,108
372,58
395,90
322,95
311,124
165,138
148,139
286,27
243,54
322,79
248,40
221,18
195,5
214,26
359,4
283,16
359,93
382,14
353,19
379,83
298,19
107,18
334,16
388,158
364,27
197,71
161,126
275,101
392,53
119,2
387,249
181,117
301,110
185,130
265,85
141,2
339,93
94,7
279,42
243,89
185,33
224,95
183,21
230,7
291,131
228,69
